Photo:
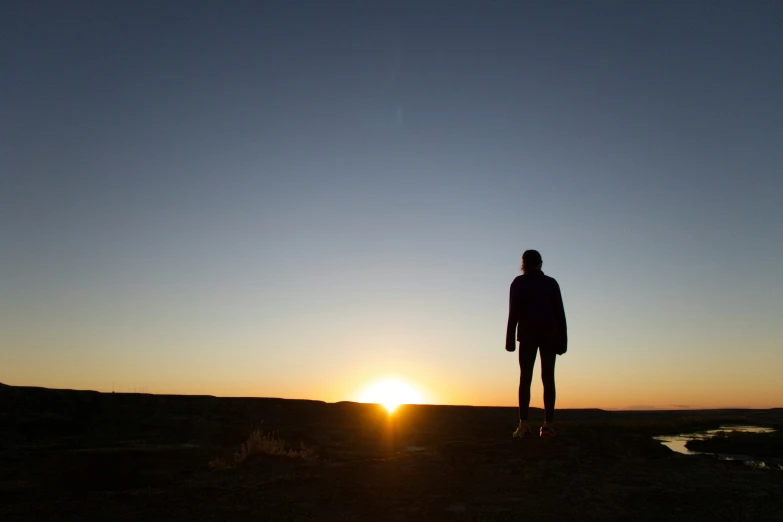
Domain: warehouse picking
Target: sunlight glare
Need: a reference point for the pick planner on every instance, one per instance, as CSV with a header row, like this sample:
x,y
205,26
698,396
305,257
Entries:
x,y
391,393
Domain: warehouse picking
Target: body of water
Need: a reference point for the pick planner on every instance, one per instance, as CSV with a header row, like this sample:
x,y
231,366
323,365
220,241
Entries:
x,y
677,443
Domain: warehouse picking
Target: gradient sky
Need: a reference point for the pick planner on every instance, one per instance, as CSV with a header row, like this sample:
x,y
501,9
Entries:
x,y
294,198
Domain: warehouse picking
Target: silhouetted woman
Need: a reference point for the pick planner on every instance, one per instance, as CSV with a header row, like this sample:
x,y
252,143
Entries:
x,y
537,315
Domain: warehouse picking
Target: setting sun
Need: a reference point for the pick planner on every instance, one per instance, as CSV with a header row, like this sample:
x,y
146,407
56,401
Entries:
x,y
391,393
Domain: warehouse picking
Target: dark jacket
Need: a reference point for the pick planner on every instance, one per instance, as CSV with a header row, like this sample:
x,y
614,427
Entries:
x,y
536,312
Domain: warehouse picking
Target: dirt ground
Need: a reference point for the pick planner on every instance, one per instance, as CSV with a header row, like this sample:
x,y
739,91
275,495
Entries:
x,y
68,455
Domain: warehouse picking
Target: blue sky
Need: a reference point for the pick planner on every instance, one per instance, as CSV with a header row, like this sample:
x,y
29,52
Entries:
x,y
297,198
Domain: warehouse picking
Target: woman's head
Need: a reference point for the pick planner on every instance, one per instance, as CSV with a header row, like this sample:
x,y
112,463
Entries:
x,y
531,260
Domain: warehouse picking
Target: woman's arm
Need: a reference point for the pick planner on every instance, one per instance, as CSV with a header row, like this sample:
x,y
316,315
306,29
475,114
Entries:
x,y
513,319
560,318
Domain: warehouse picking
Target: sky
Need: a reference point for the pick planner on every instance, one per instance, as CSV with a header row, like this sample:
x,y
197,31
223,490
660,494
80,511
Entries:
x,y
296,199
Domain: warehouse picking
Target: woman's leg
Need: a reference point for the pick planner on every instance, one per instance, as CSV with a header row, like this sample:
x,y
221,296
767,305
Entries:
x,y
527,360
548,358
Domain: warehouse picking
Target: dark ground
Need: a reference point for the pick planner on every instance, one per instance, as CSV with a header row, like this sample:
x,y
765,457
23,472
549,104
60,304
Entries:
x,y
72,455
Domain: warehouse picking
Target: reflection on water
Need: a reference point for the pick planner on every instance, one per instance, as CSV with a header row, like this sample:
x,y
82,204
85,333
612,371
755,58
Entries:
x,y
677,442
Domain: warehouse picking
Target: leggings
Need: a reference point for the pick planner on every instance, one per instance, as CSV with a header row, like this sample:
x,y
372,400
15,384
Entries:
x,y
527,360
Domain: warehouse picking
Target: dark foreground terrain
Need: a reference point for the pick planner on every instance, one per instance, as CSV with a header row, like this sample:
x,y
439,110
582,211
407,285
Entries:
x,y
72,455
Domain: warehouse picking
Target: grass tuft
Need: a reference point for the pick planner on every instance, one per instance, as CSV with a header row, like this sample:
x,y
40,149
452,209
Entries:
x,y
260,443
218,463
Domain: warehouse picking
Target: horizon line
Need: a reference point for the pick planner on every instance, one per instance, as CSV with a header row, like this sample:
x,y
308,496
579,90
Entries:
x,y
640,408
